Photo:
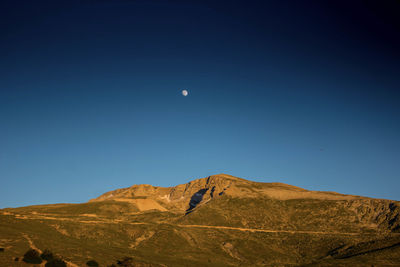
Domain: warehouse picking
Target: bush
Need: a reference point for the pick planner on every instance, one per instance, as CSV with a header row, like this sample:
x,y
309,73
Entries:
x,y
47,255
92,263
127,262
1,249
16,259
32,256
55,262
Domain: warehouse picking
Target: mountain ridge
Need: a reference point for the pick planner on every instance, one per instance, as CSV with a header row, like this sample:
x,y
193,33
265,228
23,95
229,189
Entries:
x,y
219,220
177,197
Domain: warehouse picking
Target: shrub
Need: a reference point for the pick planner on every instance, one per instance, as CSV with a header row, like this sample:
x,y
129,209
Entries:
x,y
32,256
1,249
16,259
55,262
127,262
92,263
47,255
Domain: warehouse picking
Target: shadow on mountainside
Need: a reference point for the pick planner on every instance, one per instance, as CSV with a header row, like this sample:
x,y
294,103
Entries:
x,y
196,199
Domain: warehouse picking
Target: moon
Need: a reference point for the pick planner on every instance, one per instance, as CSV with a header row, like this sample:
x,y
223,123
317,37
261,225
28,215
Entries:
x,y
185,92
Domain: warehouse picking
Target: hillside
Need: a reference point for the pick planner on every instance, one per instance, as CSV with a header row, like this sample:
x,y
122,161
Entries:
x,y
219,220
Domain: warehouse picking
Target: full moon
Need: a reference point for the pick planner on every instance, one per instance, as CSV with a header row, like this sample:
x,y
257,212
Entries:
x,y
185,92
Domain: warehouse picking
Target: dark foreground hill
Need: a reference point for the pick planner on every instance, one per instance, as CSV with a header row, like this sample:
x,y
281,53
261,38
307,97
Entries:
x,y
220,220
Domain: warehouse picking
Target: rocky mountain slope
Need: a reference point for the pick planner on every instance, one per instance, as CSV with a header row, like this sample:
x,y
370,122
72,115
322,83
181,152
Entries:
x,y
219,220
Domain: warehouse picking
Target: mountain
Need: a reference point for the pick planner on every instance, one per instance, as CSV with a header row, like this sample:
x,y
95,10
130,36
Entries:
x,y
220,220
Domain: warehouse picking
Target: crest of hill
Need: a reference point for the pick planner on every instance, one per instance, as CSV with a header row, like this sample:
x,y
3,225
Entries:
x,y
221,217
200,191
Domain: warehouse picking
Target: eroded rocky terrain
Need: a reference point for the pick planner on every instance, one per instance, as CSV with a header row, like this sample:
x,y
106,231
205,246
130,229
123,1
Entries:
x,y
219,220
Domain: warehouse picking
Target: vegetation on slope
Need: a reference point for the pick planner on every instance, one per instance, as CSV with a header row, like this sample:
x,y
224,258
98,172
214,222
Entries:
x,y
224,228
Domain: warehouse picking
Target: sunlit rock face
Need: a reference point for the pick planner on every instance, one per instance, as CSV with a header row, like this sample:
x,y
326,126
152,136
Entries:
x,y
181,197
186,198
221,216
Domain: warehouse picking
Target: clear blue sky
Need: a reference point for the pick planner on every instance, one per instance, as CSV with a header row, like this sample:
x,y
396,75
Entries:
x,y
305,93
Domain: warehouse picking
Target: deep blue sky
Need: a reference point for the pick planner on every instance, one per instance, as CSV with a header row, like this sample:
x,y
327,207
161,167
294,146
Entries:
x,y
300,92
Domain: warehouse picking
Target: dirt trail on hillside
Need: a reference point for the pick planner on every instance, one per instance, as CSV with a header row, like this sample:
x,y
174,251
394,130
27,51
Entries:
x,y
32,246
253,230
264,230
41,216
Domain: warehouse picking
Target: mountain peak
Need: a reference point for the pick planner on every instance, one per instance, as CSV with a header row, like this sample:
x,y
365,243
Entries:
x,y
148,217
186,197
